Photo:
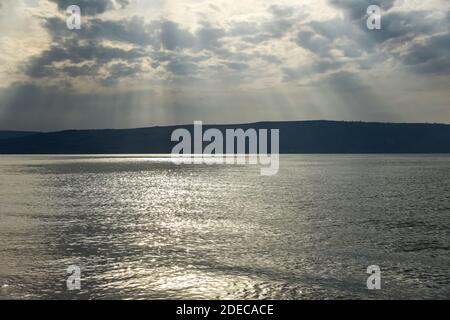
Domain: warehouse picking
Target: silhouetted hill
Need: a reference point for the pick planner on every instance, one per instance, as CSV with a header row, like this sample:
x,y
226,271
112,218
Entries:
x,y
295,137
14,134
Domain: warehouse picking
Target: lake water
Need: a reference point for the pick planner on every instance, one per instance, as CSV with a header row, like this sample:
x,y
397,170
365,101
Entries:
x,y
144,228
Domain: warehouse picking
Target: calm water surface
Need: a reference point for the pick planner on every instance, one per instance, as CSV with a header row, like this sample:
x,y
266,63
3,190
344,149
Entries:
x,y
143,228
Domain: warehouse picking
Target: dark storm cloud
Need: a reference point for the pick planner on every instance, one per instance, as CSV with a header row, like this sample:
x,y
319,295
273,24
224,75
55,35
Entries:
x,y
173,37
249,32
209,37
419,39
281,11
123,3
278,27
169,35
88,7
405,26
281,22
78,71
357,9
86,45
318,67
177,63
123,70
185,50
77,53
120,70
342,35
270,58
237,66
182,68
132,31
314,42
433,56
416,38
91,7
325,38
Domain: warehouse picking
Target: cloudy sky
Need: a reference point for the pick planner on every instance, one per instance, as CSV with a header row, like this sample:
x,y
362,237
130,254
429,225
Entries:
x,y
138,63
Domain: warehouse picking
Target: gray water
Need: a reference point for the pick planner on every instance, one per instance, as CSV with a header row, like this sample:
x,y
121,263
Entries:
x,y
144,228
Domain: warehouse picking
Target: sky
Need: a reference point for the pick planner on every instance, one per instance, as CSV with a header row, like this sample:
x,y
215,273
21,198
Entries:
x,y
139,63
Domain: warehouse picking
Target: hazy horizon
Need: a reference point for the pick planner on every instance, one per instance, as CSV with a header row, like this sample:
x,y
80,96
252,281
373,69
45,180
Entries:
x,y
226,124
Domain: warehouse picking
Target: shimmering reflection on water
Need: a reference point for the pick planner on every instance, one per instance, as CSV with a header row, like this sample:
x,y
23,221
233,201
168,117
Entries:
x,y
143,228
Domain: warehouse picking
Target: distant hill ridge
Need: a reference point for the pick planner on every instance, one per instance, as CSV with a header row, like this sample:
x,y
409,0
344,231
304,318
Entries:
x,y
295,137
